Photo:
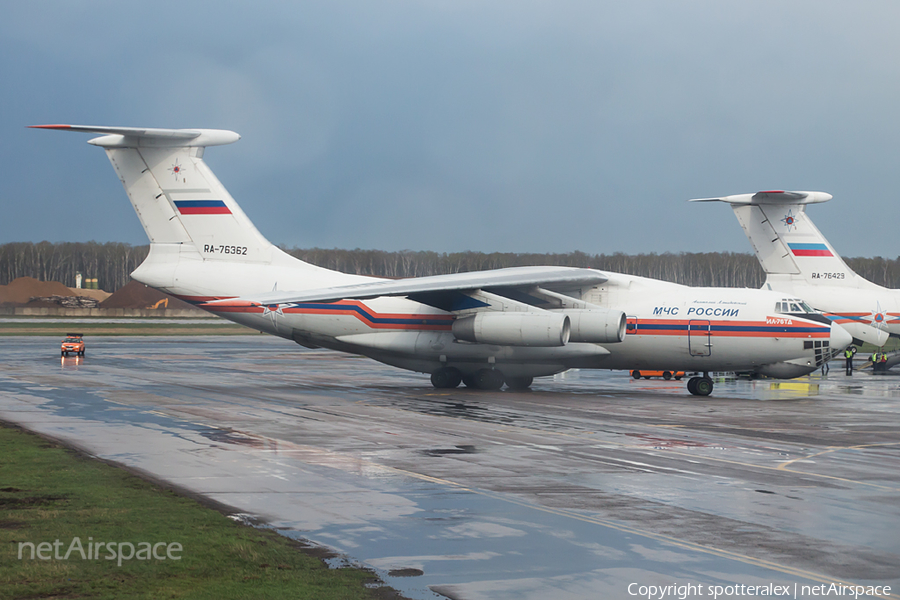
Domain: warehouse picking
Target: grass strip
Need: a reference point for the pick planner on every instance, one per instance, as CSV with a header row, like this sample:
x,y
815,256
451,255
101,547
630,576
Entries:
x,y
49,493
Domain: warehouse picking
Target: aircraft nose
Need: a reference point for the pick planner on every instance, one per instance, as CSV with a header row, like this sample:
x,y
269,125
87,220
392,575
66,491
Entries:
x,y
839,338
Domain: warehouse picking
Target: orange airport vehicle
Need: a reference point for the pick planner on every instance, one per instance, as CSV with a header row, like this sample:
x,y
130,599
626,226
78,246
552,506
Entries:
x,y
74,343
664,374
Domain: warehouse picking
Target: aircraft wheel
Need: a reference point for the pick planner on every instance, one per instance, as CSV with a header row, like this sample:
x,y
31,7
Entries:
x,y
636,374
700,386
489,379
519,383
666,375
446,377
704,386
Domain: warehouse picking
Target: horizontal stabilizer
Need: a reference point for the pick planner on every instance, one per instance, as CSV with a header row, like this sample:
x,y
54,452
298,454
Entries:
x,y
133,137
560,277
771,197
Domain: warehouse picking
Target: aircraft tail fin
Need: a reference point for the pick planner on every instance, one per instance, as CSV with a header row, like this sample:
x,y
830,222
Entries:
x,y
786,242
178,199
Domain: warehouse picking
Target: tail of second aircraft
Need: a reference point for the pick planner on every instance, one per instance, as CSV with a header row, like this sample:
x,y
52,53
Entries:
x,y
187,213
788,245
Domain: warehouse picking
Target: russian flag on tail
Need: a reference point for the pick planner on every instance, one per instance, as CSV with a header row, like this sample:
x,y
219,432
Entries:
x,y
202,207
810,250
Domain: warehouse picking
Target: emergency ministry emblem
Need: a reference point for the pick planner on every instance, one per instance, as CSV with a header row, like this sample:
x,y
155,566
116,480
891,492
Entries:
x,y
176,170
789,220
878,317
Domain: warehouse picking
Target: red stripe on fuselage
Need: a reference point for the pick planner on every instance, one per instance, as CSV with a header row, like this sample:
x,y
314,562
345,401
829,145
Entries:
x,y
672,327
760,329
348,308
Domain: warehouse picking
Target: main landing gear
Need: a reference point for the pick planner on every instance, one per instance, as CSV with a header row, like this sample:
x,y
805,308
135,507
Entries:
x,y
700,386
446,377
484,379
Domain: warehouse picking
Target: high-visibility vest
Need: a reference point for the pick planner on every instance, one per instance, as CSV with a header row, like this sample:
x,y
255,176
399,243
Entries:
x,y
848,353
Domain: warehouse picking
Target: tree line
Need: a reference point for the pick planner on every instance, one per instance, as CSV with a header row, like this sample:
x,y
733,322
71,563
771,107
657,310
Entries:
x,y
112,262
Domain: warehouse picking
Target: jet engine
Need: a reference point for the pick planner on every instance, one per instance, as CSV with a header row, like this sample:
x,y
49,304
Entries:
x,y
600,326
514,328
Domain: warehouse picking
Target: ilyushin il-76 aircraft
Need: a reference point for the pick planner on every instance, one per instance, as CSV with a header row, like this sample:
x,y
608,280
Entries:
x,y
799,261
485,328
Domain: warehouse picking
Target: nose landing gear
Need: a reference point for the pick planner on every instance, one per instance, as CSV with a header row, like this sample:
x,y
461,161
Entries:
x,y
700,386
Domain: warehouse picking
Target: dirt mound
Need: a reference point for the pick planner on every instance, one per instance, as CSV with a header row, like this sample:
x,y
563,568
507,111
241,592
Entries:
x,y
21,290
47,293
138,295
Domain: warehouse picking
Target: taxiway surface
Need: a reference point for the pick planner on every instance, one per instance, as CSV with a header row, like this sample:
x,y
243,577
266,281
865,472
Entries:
x,y
579,488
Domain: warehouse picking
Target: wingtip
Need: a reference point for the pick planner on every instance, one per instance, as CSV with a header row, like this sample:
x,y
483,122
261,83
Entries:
x,y
49,126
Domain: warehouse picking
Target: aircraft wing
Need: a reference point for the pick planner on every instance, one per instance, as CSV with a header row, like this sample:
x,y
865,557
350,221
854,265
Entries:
x,y
558,278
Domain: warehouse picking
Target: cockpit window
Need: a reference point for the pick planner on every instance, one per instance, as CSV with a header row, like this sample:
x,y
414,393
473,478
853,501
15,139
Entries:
x,y
793,306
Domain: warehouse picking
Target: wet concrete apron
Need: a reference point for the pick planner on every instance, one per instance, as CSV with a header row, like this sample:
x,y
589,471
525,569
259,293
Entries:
x,y
576,489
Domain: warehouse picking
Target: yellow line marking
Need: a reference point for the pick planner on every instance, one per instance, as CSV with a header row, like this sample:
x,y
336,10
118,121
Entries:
x,y
779,468
783,466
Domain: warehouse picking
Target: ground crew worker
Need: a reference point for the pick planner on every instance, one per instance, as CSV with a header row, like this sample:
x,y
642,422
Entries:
x,y
882,362
875,361
848,355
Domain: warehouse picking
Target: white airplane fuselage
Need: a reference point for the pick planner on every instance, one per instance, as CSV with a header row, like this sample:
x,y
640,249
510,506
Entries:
x,y
670,326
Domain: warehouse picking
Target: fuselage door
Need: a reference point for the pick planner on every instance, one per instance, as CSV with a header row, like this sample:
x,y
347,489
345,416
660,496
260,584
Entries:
x,y
699,338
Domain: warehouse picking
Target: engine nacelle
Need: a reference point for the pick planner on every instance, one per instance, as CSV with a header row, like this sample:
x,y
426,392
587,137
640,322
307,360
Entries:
x,y
514,328
601,326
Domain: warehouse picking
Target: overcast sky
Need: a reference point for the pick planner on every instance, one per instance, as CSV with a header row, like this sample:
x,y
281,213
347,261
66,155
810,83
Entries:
x,y
455,125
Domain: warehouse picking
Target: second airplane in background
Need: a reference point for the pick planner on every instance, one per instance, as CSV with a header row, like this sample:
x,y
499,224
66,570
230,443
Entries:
x,y
800,262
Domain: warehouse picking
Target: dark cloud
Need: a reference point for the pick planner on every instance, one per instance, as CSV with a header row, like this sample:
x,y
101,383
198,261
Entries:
x,y
514,126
